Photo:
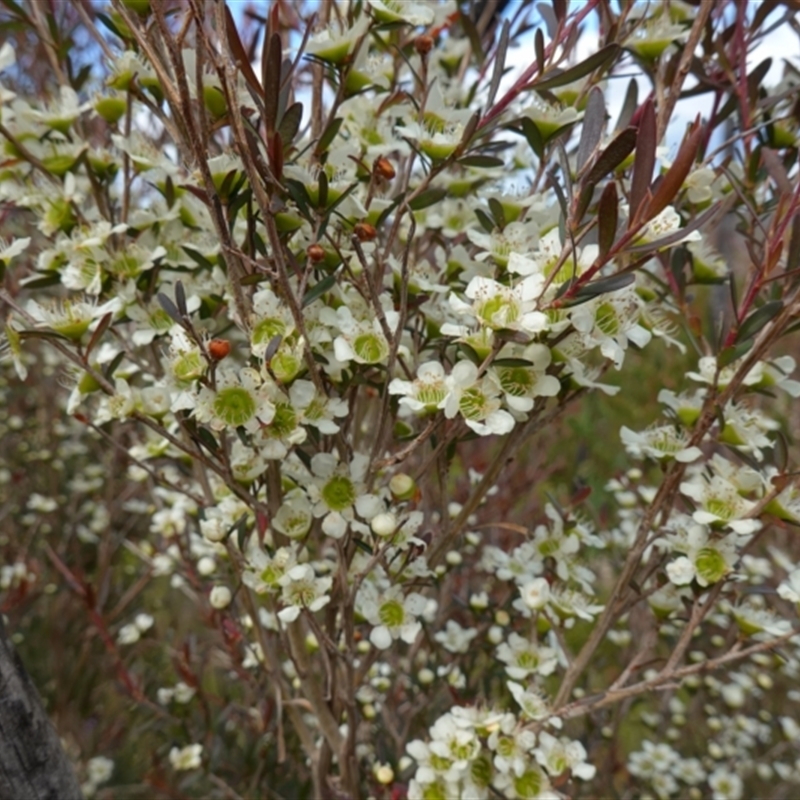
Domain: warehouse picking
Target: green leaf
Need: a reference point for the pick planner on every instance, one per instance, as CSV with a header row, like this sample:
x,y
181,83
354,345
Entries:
x,y
758,319
643,162
197,257
271,79
498,214
486,222
594,123
290,123
481,161
603,286
595,61
168,306
319,289
607,219
731,354
328,135
618,149
427,198
240,54
531,133
499,63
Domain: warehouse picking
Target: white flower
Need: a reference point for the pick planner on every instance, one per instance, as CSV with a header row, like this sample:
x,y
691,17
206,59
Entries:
x,y
99,769
393,615
476,399
454,638
725,784
427,392
504,307
241,400
789,589
559,755
719,502
662,441
12,250
402,11
188,757
524,657
535,593
301,588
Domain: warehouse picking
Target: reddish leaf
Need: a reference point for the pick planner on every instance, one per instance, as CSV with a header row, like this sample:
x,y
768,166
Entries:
x,y
644,161
669,186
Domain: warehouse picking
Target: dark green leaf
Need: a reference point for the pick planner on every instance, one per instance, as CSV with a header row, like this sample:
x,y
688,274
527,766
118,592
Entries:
x,y
731,354
758,319
595,61
670,184
168,306
498,214
618,149
499,62
547,14
511,362
427,198
111,367
629,105
487,223
239,53
315,292
198,258
271,78
677,236
206,438
607,219
180,298
594,123
362,545
644,161
538,46
328,135
604,286
39,281
531,133
290,123
322,196
98,332
481,161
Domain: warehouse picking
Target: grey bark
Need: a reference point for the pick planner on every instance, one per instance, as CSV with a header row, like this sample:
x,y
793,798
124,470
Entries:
x,y
33,764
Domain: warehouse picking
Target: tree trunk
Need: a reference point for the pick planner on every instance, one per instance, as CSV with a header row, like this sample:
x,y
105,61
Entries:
x,y
33,765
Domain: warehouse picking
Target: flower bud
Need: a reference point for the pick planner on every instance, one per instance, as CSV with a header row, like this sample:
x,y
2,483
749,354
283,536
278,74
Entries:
x,y
364,231
423,44
402,486
220,597
219,349
384,524
315,253
384,168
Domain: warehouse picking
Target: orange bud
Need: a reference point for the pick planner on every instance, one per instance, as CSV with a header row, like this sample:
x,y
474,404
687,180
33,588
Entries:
x,y
315,253
364,231
423,44
219,348
384,168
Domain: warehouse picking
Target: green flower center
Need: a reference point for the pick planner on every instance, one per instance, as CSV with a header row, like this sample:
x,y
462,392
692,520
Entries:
x,y
188,367
235,406
392,614
710,565
529,784
607,320
284,421
339,493
267,329
370,348
474,404
517,381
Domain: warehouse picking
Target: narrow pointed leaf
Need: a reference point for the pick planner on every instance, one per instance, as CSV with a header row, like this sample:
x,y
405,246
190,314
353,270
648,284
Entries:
x,y
594,123
670,184
758,319
240,54
595,61
618,149
607,217
644,161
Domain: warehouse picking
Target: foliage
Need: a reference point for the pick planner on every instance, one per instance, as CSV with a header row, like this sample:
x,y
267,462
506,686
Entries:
x,y
320,330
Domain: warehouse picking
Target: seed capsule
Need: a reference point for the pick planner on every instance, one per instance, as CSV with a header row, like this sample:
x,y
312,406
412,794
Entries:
x,y
315,253
219,349
384,168
364,231
423,44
